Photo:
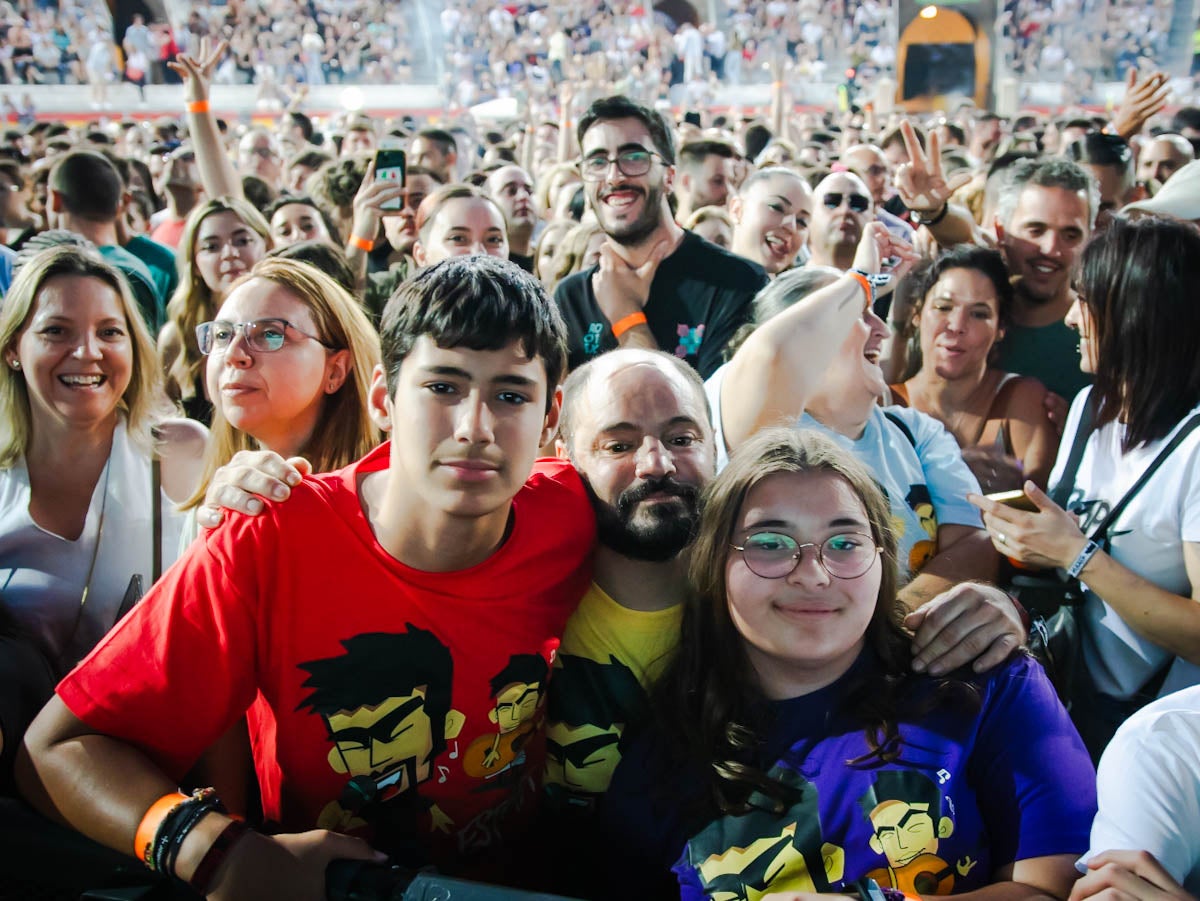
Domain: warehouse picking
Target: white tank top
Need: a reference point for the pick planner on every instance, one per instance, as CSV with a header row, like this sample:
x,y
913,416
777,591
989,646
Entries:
x,y
42,575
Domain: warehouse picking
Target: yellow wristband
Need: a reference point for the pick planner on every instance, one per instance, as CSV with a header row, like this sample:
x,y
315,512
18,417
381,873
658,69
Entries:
x,y
364,244
621,326
198,106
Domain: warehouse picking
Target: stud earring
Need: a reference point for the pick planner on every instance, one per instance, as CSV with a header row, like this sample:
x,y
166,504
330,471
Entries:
x,y
16,364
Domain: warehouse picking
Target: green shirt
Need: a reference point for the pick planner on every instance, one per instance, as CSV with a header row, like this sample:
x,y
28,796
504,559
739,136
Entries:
x,y
1049,353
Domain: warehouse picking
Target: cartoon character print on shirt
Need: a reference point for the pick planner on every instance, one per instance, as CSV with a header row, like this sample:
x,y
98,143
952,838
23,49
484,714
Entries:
x,y
905,810
517,691
590,704
742,858
386,707
591,340
921,503
689,339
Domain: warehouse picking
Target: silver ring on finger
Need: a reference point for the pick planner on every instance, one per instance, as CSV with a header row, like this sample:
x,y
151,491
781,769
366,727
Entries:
x,y
1002,538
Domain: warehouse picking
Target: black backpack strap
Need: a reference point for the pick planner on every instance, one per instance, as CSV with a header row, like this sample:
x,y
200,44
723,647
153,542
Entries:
x,y
1100,533
902,426
1087,424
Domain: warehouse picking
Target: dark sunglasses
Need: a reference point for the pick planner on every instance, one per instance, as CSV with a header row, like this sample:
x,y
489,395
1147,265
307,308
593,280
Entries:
x,y
859,203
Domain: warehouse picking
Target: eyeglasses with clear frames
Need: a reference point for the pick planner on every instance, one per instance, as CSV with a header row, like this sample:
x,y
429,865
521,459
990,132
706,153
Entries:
x,y
263,335
774,555
633,162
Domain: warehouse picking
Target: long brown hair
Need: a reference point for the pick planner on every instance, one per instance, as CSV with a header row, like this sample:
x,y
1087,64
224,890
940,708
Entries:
x,y
193,301
709,702
345,431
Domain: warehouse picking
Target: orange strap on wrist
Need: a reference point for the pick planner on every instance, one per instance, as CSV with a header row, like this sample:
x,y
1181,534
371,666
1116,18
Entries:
x,y
143,840
868,290
198,106
624,324
364,244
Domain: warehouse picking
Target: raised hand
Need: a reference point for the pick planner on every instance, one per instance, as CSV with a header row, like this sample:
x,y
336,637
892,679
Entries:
x,y
369,201
1144,97
196,71
921,182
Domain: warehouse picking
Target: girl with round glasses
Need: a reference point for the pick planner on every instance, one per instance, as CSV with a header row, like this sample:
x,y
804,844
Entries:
x,y
792,747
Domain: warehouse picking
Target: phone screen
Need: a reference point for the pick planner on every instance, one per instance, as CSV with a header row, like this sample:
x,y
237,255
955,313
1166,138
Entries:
x,y
389,166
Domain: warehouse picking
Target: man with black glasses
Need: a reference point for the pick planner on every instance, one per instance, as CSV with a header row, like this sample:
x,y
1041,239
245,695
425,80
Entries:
x,y
842,208
656,285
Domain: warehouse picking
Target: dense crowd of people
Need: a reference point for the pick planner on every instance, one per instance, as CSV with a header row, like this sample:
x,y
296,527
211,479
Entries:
x,y
773,503
483,50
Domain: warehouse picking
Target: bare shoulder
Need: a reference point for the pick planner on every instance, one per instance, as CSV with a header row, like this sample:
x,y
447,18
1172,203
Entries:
x,y
181,447
1024,398
170,342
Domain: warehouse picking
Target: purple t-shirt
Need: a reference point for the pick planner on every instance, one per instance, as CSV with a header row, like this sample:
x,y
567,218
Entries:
x,y
972,790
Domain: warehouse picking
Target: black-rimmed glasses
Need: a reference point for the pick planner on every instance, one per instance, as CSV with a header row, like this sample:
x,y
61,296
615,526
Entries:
x,y
633,163
774,555
263,335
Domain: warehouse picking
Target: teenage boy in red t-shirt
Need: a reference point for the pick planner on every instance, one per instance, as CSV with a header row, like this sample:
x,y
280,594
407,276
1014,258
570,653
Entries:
x,y
360,624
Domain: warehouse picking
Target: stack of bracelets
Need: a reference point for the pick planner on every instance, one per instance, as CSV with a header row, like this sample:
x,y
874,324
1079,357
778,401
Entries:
x,y
167,823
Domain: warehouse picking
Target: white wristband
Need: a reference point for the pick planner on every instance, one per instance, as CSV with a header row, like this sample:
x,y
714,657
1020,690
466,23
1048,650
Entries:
x,y
1089,551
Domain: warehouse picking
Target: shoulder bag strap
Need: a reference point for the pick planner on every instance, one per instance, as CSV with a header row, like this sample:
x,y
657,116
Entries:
x,y
1087,424
902,426
1100,533
156,505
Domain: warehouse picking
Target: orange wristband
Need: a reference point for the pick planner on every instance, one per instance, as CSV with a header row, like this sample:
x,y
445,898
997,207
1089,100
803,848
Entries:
x,y
621,326
364,244
143,840
866,286
198,106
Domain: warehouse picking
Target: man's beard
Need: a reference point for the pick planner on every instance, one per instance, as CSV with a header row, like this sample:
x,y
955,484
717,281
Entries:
x,y
668,531
635,233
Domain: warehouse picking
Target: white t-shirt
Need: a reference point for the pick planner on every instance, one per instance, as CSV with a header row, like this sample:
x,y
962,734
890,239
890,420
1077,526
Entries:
x,y
1147,539
925,480
1148,786
42,575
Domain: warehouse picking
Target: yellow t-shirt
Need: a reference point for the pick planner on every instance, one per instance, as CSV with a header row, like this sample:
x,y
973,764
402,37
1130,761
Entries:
x,y
608,656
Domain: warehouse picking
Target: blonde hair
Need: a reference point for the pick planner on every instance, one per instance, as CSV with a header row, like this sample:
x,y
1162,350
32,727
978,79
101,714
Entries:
x,y
193,301
345,431
546,179
705,213
572,249
143,402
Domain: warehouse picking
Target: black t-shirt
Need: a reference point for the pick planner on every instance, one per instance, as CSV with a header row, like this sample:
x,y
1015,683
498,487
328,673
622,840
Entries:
x,y
525,262
27,682
700,296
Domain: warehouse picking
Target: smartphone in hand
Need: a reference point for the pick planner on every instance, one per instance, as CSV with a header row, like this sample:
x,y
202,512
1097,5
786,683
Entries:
x,y
390,166
1018,500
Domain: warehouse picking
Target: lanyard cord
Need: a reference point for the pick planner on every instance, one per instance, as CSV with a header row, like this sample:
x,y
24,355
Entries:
x,y
95,551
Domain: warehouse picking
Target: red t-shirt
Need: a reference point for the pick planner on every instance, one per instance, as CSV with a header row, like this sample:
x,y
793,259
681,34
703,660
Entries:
x,y
169,232
432,684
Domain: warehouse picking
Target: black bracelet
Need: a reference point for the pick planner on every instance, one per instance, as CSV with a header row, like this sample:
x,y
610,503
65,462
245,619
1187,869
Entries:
x,y
198,812
938,218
